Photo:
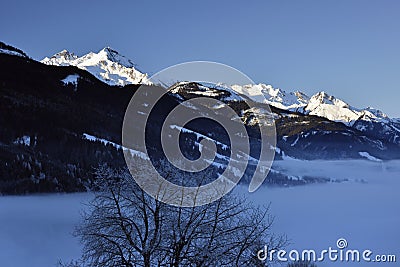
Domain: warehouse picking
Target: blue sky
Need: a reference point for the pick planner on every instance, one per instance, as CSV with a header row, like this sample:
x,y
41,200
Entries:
x,y
350,49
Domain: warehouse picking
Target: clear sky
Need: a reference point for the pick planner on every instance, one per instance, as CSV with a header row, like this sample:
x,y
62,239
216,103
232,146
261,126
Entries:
x,y
350,49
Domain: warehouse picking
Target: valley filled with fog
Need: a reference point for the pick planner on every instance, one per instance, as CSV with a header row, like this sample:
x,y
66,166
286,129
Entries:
x,y
360,204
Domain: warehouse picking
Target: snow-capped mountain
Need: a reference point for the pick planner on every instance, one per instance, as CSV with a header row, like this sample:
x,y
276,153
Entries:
x,y
323,105
107,65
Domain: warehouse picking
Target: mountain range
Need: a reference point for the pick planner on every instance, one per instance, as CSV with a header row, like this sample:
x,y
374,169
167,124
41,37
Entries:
x,y
112,68
62,117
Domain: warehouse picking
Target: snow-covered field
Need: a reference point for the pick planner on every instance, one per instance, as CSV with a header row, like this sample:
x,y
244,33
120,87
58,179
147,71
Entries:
x,y
36,230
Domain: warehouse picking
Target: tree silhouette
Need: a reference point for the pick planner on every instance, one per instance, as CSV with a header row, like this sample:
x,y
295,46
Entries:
x,y
126,227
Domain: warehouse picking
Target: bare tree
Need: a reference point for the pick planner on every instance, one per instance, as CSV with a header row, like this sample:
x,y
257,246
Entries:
x,y
125,227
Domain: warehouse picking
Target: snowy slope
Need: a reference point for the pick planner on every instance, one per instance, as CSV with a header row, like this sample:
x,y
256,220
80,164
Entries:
x,y
324,105
10,50
107,65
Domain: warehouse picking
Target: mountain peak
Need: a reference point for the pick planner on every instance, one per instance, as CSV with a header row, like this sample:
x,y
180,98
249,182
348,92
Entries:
x,y
107,65
324,98
113,55
108,49
63,56
377,112
65,51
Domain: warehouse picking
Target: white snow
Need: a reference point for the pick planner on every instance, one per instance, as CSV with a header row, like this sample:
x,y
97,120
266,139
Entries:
x,y
10,52
206,93
71,79
24,140
209,90
395,128
368,156
104,141
133,152
198,135
295,141
264,93
107,65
